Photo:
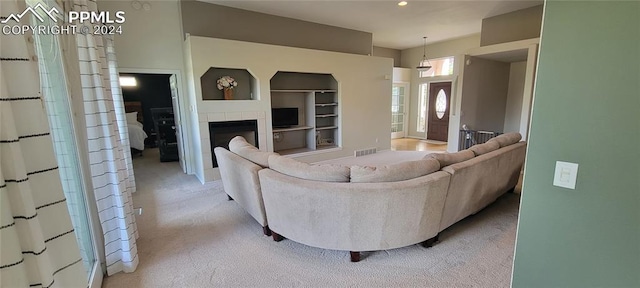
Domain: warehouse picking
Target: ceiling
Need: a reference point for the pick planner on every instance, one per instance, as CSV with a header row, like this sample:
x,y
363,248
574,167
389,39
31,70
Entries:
x,y
392,26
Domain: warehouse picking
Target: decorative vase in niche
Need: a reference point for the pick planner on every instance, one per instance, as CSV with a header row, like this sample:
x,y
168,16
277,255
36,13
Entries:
x,y
228,94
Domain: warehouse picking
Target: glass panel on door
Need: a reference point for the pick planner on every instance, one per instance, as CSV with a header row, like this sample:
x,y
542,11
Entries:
x,y
398,111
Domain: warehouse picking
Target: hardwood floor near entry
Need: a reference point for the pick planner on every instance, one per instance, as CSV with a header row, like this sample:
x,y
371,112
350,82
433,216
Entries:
x,y
409,144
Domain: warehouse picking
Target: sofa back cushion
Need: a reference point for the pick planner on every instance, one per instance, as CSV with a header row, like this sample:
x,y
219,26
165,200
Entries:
x,y
507,139
484,148
447,159
244,149
395,172
295,168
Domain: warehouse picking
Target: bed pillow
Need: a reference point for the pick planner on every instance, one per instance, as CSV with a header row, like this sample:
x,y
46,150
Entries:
x,y
132,117
395,172
447,159
295,168
244,149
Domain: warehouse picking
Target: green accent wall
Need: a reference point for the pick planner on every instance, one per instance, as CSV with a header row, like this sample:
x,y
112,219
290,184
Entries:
x,y
586,110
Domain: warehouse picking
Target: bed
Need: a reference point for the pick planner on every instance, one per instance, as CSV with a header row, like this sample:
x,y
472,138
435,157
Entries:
x,y
134,122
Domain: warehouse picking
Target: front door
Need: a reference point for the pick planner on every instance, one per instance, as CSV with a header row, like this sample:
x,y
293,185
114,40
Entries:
x,y
438,114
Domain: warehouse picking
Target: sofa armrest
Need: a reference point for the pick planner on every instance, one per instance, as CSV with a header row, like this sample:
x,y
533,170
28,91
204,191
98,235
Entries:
x,y
240,181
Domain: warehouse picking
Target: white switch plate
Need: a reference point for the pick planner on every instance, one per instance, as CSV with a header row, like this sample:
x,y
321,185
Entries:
x,y
565,175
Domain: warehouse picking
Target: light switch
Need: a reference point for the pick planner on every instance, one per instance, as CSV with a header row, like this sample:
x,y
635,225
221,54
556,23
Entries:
x,y
565,175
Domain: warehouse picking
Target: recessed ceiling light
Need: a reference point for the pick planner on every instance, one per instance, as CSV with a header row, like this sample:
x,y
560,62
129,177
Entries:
x,y
402,3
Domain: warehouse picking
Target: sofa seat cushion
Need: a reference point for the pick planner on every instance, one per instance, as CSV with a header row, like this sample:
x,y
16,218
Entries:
x,y
395,172
507,139
447,159
244,149
295,168
484,148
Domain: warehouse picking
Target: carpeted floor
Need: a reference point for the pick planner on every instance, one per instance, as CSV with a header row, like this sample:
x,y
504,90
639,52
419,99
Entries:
x,y
191,236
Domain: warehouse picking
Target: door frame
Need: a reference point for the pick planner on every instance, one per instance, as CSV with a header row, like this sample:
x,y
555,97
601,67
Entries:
x,y
407,96
186,152
428,81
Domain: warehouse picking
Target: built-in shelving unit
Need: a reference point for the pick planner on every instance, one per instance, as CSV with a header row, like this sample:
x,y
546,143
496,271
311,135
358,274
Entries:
x,y
316,98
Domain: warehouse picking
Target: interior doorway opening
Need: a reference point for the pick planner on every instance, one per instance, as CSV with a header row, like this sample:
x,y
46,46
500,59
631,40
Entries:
x,y
153,115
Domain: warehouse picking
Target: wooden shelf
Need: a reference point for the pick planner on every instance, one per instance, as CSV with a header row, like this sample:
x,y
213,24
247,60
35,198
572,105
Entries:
x,y
326,104
297,128
304,90
326,115
326,127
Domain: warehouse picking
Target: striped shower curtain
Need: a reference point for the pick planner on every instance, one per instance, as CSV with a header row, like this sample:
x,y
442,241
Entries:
x,y
38,247
109,152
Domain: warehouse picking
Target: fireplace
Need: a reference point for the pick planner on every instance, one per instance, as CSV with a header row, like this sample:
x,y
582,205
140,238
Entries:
x,y
220,133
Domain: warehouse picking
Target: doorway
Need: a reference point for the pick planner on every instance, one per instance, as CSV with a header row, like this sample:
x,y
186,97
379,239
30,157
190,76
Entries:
x,y
156,95
438,111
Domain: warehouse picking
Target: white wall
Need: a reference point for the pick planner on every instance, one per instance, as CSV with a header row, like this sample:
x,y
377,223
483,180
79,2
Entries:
x,y
401,75
364,85
484,95
514,96
151,42
150,39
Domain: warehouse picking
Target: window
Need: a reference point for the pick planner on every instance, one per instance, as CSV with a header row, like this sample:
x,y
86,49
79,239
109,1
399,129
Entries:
x,y
422,107
441,104
397,108
58,105
440,67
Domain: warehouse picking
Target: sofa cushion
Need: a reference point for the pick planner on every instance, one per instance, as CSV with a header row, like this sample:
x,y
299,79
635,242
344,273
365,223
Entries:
x,y
447,159
484,148
295,168
507,139
395,172
244,149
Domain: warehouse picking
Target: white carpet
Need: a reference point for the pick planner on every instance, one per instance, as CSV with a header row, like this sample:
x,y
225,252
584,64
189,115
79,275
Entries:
x,y
191,236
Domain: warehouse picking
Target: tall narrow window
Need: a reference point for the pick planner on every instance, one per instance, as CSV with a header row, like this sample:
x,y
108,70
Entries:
x,y
422,107
397,109
58,107
441,103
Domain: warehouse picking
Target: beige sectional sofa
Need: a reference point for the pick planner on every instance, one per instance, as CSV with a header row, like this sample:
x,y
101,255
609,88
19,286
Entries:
x,y
362,208
323,210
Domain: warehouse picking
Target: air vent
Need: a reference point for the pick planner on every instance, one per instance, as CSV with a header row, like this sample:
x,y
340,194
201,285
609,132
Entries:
x,y
363,152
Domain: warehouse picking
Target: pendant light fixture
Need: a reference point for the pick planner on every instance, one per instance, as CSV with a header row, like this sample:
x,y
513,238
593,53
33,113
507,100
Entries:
x,y
424,64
